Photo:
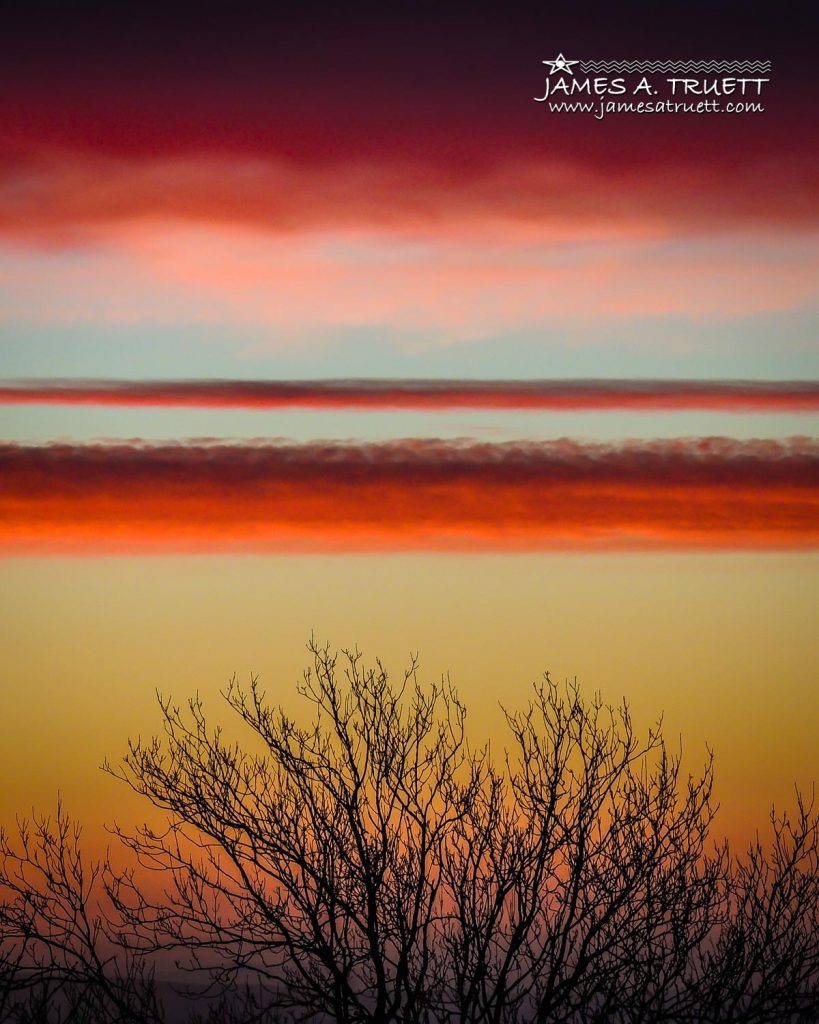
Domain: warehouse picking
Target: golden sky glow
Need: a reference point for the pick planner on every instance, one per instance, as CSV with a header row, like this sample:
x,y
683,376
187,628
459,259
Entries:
x,y
724,644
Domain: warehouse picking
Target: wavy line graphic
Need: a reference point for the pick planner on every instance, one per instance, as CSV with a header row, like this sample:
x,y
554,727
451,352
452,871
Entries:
x,y
677,66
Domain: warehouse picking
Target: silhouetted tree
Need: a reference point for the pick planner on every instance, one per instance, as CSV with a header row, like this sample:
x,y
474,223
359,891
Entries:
x,y
373,866
764,965
61,960
317,864
581,877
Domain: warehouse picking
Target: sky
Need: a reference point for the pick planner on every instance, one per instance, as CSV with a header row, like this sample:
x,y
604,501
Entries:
x,y
318,322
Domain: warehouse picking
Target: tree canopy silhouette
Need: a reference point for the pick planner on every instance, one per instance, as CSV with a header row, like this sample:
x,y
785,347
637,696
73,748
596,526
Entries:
x,y
371,865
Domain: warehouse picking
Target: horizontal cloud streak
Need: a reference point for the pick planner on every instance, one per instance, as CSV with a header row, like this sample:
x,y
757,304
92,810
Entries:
x,y
69,196
553,395
445,290
412,494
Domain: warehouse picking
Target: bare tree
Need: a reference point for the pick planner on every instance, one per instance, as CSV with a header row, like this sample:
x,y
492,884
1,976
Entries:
x,y
764,965
315,865
373,866
60,959
583,880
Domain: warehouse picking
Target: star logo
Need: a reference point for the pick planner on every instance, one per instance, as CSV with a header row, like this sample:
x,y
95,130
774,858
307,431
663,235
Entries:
x,y
561,64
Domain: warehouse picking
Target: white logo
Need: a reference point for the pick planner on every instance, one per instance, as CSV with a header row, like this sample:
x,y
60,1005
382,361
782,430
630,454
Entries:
x,y
654,86
561,64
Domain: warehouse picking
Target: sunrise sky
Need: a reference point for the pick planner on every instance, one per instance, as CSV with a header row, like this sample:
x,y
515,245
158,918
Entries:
x,y
319,323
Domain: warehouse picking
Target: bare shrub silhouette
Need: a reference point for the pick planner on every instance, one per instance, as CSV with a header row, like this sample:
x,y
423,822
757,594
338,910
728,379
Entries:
x,y
373,866
60,959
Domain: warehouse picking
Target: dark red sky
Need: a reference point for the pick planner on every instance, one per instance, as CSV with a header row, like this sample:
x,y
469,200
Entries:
x,y
452,83
439,95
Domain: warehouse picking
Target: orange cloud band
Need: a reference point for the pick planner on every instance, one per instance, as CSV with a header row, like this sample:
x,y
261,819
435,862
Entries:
x,y
414,494
60,195
570,395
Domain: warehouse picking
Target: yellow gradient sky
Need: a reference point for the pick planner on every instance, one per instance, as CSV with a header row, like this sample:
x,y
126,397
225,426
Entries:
x,y
724,644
